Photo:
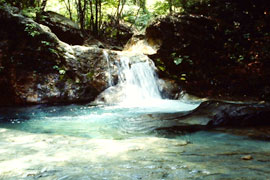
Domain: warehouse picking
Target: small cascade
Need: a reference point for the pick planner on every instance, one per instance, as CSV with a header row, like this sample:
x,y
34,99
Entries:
x,y
106,55
138,80
137,85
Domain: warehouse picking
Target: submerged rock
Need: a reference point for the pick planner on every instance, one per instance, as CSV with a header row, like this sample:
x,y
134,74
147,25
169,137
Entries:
x,y
112,95
247,157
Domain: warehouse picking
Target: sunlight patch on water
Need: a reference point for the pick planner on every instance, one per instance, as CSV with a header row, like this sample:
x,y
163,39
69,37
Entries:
x,y
201,155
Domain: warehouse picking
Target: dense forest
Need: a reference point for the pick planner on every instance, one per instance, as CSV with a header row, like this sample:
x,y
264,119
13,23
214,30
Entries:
x,y
94,15
105,18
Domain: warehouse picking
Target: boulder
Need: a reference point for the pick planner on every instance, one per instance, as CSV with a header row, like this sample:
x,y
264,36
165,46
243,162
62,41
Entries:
x,y
65,29
237,115
216,114
138,43
211,50
121,30
169,89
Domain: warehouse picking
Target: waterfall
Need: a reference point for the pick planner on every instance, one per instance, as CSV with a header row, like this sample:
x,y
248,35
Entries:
x,y
138,80
106,55
137,86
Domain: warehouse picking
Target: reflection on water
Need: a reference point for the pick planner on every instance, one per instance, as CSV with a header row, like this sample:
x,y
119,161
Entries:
x,y
118,142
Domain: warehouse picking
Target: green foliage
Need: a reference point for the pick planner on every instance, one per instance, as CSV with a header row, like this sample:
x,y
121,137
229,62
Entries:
x,y
46,43
70,8
161,8
178,59
21,4
30,12
61,70
51,47
31,29
2,2
162,68
53,51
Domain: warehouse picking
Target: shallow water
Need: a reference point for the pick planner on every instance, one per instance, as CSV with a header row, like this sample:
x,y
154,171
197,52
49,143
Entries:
x,y
110,122
120,142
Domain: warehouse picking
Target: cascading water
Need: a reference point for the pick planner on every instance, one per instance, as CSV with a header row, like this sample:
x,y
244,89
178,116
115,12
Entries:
x,y
138,86
139,81
106,55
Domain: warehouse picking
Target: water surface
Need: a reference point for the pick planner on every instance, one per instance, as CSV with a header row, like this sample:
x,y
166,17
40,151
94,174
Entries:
x,y
120,142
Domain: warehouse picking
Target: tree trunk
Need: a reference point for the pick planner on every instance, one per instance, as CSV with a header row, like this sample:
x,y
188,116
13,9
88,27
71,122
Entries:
x,y
32,3
170,6
38,3
43,5
91,16
100,15
137,14
117,9
184,4
119,17
81,16
41,10
122,8
68,6
96,20
83,13
81,8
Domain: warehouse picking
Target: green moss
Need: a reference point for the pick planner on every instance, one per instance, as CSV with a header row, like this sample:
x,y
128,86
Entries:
x,y
90,75
70,81
62,77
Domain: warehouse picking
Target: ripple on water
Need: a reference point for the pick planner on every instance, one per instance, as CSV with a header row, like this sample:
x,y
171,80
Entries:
x,y
76,142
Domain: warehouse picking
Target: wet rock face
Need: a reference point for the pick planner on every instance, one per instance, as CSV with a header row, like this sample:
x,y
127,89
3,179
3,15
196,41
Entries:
x,y
187,41
80,78
65,29
169,89
182,34
240,115
36,67
216,114
221,114
210,56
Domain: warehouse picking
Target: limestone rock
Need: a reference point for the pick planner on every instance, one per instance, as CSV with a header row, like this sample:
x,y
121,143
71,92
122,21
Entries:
x,y
65,29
